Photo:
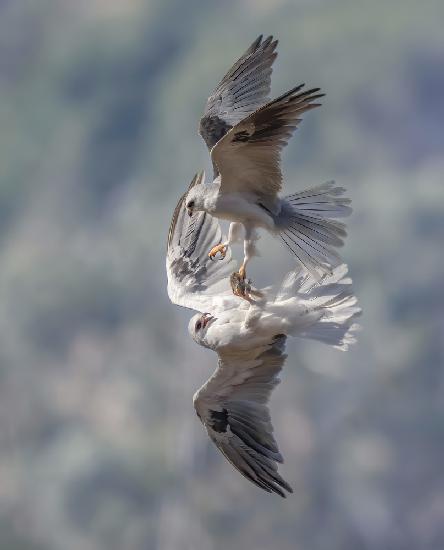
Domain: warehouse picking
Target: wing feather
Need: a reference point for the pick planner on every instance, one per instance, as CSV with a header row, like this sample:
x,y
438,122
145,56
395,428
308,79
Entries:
x,y
243,89
193,279
248,157
232,405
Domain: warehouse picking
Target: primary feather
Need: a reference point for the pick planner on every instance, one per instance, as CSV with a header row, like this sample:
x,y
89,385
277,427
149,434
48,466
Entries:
x,y
194,280
243,89
232,405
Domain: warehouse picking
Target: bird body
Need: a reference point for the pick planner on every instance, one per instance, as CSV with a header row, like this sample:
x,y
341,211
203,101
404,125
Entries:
x,y
236,206
304,221
310,313
250,344
245,133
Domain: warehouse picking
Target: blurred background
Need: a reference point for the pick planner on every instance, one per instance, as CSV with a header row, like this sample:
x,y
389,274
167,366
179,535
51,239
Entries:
x,y
100,447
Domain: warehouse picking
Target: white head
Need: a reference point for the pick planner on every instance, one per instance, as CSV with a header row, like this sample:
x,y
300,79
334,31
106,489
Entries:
x,y
198,327
201,197
195,201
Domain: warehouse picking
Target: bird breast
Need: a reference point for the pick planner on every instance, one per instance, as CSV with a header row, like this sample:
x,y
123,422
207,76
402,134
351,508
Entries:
x,y
242,208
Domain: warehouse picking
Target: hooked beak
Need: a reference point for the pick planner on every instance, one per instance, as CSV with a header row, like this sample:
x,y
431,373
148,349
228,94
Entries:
x,y
190,212
207,318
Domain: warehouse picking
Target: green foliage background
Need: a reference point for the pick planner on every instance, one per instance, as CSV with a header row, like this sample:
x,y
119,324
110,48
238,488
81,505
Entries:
x,y
99,443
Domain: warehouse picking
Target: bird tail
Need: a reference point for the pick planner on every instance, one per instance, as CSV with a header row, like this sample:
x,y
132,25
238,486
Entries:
x,y
306,226
330,306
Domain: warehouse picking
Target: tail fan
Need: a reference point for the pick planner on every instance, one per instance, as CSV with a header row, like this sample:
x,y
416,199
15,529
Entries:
x,y
332,299
306,226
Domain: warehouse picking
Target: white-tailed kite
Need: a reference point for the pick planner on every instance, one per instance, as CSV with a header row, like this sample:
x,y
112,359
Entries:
x,y
249,339
245,133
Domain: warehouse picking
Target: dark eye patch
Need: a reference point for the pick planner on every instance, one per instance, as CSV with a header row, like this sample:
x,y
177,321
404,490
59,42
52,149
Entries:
x,y
198,325
190,204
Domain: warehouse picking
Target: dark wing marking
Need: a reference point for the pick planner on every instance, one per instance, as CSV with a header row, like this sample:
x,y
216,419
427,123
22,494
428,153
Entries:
x,y
232,405
242,90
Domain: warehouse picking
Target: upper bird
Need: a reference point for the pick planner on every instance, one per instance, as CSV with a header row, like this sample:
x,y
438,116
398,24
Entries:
x,y
249,339
245,133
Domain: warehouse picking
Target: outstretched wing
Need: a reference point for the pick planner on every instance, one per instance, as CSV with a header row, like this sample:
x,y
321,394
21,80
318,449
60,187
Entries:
x,y
193,279
232,406
248,157
242,90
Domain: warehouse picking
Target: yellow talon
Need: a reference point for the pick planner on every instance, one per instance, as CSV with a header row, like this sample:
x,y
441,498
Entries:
x,y
220,248
242,272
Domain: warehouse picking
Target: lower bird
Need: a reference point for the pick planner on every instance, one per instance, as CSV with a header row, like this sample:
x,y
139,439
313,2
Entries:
x,y
249,338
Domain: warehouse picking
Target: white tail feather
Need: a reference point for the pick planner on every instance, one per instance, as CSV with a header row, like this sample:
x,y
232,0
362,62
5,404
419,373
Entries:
x,y
307,226
331,306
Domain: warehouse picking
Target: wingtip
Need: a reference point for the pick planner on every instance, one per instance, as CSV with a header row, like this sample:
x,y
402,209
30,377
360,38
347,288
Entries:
x,y
267,41
197,179
256,43
278,458
276,488
268,44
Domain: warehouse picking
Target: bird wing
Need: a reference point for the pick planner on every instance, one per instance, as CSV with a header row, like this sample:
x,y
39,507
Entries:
x,y
232,405
193,279
248,157
242,90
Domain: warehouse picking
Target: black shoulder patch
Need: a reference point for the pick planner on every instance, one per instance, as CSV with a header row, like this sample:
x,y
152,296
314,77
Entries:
x,y
219,420
212,129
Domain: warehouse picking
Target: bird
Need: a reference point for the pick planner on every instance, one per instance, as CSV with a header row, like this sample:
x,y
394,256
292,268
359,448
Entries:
x,y
245,133
249,338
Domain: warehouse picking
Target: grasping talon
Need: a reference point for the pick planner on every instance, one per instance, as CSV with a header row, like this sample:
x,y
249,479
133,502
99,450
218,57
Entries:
x,y
220,248
240,285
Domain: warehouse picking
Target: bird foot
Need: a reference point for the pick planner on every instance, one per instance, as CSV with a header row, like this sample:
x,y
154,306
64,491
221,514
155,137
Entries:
x,y
240,285
218,249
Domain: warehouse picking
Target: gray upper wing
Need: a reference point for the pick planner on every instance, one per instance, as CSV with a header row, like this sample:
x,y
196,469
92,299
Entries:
x,y
193,279
248,157
242,90
232,405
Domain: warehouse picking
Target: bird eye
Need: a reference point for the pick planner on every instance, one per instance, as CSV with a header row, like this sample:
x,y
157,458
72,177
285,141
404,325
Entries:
x,y
190,204
198,325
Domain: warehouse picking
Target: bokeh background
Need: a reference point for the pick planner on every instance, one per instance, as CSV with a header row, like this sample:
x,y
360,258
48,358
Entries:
x,y
100,447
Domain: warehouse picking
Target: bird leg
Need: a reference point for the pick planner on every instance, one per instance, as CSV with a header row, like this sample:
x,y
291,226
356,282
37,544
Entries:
x,y
219,248
240,285
234,235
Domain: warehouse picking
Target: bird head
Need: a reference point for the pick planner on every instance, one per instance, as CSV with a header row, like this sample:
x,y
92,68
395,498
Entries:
x,y
195,200
198,327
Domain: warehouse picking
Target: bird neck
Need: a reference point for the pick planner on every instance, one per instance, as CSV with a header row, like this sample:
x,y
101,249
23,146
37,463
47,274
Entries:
x,y
211,195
